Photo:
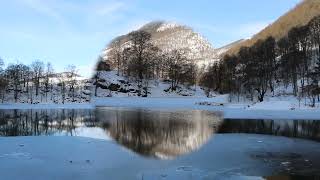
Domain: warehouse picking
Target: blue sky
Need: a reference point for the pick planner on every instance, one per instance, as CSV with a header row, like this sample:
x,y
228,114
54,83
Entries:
x,y
75,31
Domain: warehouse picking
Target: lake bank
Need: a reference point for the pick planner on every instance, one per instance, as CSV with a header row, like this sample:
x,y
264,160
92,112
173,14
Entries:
x,y
265,110
276,109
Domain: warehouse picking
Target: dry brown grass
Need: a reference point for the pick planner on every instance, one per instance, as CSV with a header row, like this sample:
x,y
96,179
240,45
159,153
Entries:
x,y
298,16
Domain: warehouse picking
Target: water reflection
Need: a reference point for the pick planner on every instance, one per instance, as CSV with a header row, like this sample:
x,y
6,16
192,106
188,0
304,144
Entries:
x,y
44,122
159,134
307,129
171,134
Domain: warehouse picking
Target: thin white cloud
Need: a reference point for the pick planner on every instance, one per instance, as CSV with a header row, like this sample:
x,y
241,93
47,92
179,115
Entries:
x,y
108,9
250,29
91,14
43,8
246,30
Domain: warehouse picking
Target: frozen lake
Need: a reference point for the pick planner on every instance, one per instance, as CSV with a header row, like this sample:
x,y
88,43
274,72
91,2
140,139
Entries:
x,y
128,143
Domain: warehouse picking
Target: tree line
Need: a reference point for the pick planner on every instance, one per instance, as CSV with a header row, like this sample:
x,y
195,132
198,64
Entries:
x,y
38,82
291,62
143,61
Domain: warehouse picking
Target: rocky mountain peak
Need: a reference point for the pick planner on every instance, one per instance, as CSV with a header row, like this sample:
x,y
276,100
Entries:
x,y
169,36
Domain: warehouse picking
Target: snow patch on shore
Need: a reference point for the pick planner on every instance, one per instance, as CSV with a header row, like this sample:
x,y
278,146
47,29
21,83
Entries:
x,y
283,110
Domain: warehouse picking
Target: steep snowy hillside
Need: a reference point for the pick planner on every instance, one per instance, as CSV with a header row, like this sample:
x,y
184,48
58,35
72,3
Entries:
x,y
169,36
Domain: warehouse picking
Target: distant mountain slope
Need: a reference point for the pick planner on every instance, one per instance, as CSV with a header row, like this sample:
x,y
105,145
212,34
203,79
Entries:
x,y
300,15
169,36
220,51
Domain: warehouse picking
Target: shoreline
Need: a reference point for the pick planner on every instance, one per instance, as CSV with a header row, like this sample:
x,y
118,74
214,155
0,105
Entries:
x,y
229,110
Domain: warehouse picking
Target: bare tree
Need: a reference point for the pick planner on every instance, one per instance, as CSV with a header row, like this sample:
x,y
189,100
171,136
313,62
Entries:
x,y
175,62
47,80
140,53
37,68
3,87
96,76
115,55
62,77
71,72
3,81
13,72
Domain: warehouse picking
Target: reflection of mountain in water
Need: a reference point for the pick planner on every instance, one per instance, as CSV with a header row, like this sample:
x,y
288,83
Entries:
x,y
308,129
159,134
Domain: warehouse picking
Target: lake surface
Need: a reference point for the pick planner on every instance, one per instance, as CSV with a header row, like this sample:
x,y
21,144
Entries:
x,y
193,144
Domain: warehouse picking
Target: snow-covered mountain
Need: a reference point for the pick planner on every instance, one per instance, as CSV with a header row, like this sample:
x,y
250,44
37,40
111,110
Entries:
x,y
169,36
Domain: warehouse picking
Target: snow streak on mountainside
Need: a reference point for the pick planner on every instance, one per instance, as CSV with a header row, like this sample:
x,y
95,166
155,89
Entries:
x,y
170,36
221,51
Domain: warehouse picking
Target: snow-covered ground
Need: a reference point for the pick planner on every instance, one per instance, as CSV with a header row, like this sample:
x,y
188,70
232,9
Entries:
x,y
282,105
262,110
271,109
156,88
52,94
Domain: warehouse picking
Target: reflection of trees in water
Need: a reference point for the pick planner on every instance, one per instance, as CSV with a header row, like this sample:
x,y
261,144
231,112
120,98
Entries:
x,y
43,122
159,134
150,133
309,129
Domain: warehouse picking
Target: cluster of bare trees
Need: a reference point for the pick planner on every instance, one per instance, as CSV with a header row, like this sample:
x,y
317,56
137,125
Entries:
x,y
292,61
36,83
144,61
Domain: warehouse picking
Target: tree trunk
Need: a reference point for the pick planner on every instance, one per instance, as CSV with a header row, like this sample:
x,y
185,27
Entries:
x,y
96,90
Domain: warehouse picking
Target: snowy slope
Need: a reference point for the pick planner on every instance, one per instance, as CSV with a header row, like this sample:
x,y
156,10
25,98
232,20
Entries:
x,y
52,95
222,50
157,88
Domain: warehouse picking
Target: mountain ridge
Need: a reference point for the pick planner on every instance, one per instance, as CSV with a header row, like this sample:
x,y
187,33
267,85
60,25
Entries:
x,y
300,15
169,36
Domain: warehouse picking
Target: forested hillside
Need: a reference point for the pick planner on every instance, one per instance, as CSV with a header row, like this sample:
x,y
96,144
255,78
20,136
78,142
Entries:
x,y
280,67
140,62
298,16
273,67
